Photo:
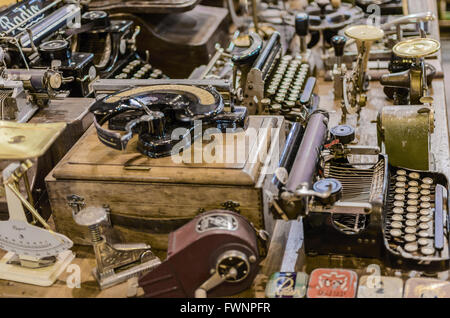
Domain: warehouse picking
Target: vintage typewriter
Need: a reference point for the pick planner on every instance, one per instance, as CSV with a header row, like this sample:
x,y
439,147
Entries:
x,y
39,42
113,43
355,203
81,46
395,28
264,78
159,112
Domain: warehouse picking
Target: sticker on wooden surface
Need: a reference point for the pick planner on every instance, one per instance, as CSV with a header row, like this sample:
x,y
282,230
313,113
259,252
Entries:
x,y
383,287
332,283
427,288
287,285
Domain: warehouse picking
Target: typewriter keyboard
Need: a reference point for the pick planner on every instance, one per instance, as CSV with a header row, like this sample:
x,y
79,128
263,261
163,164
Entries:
x,y
138,69
415,221
285,86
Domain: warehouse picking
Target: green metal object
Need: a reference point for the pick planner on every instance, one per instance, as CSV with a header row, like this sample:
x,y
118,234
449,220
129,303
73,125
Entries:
x,y
405,132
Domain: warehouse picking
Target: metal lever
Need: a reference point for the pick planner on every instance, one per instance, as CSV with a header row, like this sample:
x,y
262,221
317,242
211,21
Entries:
x,y
301,28
303,191
214,281
132,40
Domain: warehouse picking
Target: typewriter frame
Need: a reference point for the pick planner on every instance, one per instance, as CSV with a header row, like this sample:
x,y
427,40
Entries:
x,y
323,237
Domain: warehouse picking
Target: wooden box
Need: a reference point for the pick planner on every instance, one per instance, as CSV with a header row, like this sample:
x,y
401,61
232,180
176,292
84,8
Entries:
x,y
149,198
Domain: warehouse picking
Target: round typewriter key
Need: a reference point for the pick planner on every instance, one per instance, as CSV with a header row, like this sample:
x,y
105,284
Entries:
x,y
412,202
401,172
399,197
427,250
424,226
425,218
427,180
411,216
423,233
400,190
425,212
412,209
423,241
397,210
271,92
400,184
425,192
410,230
395,232
396,225
276,107
413,196
401,178
425,198
397,217
413,189
411,247
425,186
399,204
413,183
425,205
414,175
411,222
410,237
290,104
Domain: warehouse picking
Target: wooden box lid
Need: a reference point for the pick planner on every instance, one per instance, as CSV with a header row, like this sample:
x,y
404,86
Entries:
x,y
89,159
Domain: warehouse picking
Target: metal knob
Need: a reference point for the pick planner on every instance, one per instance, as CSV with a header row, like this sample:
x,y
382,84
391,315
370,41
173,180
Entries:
x,y
338,42
302,24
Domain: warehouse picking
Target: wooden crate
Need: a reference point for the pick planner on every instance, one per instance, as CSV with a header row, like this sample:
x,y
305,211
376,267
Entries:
x,y
149,198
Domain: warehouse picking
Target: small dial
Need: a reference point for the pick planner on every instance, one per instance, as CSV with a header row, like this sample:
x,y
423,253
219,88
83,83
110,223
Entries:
x,y
233,265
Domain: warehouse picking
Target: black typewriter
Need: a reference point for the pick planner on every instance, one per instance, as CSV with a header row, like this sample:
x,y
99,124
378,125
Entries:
x,y
113,43
42,42
166,117
361,206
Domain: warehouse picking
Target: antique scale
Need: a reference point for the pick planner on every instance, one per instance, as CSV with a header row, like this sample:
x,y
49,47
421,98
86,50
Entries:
x,y
35,255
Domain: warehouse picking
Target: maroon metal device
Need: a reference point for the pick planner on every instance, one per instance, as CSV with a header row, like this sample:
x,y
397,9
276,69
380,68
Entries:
x,y
215,254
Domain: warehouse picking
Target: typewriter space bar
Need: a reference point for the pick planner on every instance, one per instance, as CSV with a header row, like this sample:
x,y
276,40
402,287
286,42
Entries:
x,y
344,208
439,218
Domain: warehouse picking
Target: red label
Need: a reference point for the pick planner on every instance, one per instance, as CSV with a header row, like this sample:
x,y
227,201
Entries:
x,y
332,283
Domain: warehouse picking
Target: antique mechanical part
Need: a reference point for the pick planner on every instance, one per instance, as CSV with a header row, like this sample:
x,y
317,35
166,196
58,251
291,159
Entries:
x,y
328,184
258,74
339,69
29,247
326,20
415,78
344,133
76,203
296,193
153,112
355,84
301,29
224,241
116,263
405,133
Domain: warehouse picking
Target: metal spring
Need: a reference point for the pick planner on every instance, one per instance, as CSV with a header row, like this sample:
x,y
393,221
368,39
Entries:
x,y
95,233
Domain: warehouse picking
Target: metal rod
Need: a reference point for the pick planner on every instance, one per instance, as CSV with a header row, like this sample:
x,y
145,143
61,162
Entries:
x,y
29,206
